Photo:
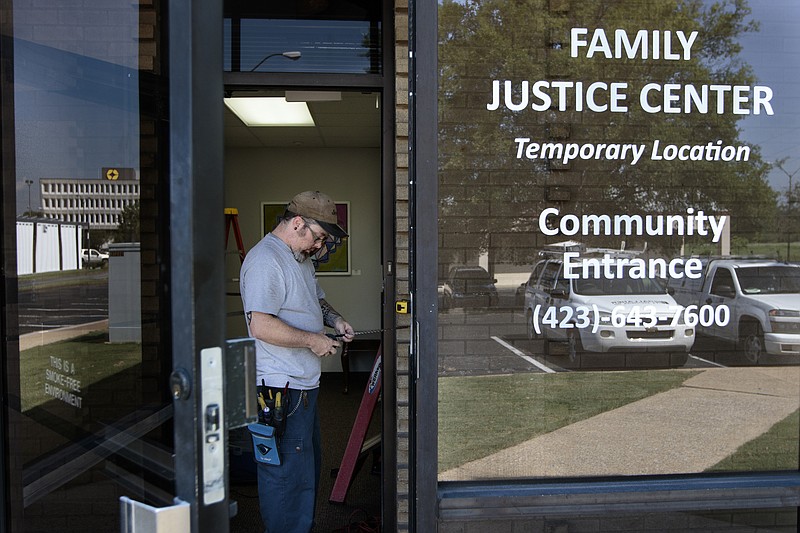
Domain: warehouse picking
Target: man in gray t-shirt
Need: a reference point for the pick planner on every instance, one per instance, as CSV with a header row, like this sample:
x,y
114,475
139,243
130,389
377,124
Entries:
x,y
286,313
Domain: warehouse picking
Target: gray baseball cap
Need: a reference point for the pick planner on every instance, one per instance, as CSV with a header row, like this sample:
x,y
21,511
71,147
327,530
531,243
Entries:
x,y
320,207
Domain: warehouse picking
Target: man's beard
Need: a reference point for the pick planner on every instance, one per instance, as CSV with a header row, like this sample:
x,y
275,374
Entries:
x,y
301,255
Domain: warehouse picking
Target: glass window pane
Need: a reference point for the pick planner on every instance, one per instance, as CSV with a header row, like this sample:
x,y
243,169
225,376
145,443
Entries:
x,y
330,37
623,175
86,379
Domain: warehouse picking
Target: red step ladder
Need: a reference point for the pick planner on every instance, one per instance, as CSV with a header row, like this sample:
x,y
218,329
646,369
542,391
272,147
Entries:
x,y
232,220
356,445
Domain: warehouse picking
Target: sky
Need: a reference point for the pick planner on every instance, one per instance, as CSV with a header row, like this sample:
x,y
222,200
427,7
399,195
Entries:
x,y
76,88
774,54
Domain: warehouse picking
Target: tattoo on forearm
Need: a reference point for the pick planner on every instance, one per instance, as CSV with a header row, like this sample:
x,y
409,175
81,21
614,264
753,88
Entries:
x,y
329,314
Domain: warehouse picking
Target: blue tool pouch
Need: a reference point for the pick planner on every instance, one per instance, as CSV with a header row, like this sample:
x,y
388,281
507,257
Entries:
x,y
265,447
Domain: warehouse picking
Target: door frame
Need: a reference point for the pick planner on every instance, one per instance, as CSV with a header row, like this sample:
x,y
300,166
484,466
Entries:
x,y
196,259
9,499
241,81
384,84
423,230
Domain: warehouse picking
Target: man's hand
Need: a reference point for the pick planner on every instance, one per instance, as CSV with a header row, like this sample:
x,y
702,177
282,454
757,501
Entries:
x,y
273,330
344,329
323,346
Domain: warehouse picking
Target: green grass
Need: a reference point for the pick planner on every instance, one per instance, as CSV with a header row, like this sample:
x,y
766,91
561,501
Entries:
x,y
485,414
91,359
777,449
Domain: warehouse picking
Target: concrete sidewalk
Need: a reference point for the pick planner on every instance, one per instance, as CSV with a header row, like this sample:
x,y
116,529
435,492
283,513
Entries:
x,y
684,430
40,338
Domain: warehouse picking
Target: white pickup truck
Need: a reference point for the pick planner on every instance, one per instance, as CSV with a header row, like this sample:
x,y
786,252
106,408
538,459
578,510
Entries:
x,y
93,258
756,304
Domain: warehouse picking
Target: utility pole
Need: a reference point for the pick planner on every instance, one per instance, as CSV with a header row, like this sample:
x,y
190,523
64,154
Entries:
x,y
29,183
790,201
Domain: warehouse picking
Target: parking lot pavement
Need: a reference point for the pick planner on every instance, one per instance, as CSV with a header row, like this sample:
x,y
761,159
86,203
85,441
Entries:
x,y
684,430
71,299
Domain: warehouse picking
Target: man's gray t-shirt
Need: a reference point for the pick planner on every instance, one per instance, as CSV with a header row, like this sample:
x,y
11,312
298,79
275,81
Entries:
x,y
274,283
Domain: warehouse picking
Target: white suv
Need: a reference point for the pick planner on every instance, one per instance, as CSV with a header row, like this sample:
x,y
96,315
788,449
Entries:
x,y
605,315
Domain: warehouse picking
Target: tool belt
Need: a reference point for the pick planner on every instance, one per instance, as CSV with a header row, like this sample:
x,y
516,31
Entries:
x,y
273,408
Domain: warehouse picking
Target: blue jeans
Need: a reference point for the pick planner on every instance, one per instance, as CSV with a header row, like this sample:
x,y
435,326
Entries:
x,y
288,493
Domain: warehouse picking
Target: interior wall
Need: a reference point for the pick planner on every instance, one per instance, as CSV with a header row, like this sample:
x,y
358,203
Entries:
x,y
256,175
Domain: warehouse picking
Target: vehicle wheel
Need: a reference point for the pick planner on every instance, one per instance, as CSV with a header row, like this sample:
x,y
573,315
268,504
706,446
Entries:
x,y
574,347
751,343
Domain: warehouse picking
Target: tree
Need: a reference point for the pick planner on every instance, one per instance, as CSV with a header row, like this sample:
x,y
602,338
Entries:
x,y
788,222
485,189
128,228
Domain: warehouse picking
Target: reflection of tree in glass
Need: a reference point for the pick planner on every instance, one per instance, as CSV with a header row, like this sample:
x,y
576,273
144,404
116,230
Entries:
x,y
484,189
128,228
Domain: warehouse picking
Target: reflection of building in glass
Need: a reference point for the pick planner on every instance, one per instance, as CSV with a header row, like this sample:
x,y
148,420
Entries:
x,y
96,203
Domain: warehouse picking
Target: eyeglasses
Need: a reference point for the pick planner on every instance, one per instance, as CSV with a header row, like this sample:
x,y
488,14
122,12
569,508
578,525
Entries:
x,y
317,238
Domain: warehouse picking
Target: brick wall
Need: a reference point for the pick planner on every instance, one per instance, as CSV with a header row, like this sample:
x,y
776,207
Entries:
x,y
153,210
401,254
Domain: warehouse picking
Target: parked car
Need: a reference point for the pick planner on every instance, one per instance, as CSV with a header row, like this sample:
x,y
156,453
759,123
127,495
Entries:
x,y
469,286
603,315
756,304
92,258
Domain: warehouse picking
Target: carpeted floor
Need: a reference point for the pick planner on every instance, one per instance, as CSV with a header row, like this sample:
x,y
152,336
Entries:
x,y
337,414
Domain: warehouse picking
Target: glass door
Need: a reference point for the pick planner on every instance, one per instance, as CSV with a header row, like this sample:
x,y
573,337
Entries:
x,y
88,338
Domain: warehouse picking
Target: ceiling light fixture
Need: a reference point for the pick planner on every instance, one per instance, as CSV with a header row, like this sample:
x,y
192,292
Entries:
x,y
313,96
270,111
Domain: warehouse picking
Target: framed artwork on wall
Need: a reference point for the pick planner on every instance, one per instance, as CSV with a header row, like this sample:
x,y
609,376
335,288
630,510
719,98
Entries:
x,y
333,259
